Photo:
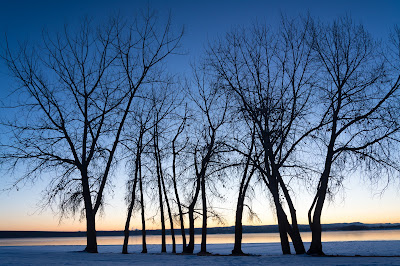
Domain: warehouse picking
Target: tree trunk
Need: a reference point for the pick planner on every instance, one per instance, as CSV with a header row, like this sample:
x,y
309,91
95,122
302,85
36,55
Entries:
x,y
128,220
294,228
182,224
132,203
204,225
282,219
283,231
171,221
315,225
244,184
297,241
144,245
159,183
126,232
316,243
163,243
91,245
237,248
190,247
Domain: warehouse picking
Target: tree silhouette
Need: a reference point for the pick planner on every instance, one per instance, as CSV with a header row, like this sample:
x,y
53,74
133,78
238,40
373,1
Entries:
x,y
76,91
269,77
355,88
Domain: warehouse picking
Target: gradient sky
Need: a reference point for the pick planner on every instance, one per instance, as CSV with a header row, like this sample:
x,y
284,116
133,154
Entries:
x,y
203,22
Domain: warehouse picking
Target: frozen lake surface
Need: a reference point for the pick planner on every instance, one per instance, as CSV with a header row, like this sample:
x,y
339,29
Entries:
x,y
351,252
329,236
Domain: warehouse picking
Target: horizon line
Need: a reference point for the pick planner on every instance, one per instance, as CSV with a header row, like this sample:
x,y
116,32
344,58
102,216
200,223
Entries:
x,y
177,228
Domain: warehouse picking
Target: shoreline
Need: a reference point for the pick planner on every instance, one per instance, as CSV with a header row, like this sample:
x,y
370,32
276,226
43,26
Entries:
x,y
212,230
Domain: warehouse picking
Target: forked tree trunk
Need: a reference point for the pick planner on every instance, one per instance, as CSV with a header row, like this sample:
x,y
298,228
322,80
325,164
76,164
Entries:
x,y
315,223
244,184
293,229
285,228
190,247
281,216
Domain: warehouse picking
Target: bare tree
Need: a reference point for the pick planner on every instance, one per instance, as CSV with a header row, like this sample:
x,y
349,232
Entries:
x,y
191,214
135,143
76,91
144,244
213,110
176,150
269,76
163,101
248,172
356,86
132,190
160,177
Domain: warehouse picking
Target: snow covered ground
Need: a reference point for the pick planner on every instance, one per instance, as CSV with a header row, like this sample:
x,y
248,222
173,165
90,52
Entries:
x,y
267,253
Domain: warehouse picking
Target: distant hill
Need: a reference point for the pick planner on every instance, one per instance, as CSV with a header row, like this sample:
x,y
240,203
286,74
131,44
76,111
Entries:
x,y
214,230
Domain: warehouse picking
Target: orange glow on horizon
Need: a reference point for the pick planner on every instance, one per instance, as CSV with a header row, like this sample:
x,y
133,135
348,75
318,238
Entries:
x,y
76,226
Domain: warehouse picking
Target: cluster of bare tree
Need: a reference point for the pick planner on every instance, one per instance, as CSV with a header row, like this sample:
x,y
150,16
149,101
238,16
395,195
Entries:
x,y
308,101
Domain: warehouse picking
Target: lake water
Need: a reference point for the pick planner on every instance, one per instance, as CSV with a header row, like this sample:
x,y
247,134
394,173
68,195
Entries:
x,y
367,235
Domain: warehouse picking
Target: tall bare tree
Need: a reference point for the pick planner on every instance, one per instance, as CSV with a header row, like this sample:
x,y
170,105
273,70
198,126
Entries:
x,y
135,143
356,87
76,90
213,115
248,171
163,104
177,149
269,75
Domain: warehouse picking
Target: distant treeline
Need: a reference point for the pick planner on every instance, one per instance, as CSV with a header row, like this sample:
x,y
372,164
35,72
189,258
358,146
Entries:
x,y
213,230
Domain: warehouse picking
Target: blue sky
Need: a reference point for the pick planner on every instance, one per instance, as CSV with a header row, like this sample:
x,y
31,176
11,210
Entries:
x,y
203,21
